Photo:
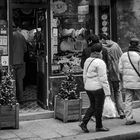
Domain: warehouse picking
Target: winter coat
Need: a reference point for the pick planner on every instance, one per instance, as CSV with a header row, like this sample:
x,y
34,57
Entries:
x,y
86,53
130,78
18,48
95,77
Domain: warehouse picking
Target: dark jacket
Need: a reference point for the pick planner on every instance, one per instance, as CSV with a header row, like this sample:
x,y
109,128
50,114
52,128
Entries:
x,y
18,48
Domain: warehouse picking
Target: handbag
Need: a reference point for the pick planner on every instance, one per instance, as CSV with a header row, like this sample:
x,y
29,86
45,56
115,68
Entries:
x,y
133,65
89,65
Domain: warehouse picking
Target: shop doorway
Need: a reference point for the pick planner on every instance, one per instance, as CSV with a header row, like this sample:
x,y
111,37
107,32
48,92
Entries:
x,y
33,24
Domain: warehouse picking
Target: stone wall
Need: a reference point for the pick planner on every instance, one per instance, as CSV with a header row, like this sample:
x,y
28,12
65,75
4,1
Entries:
x,y
128,21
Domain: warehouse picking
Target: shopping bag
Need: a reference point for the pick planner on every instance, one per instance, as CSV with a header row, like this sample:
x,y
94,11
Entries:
x,y
109,110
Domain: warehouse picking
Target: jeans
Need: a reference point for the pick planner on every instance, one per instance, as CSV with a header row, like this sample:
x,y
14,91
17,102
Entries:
x,y
96,107
117,96
129,95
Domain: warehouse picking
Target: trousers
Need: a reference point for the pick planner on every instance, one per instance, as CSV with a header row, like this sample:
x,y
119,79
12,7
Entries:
x,y
96,99
129,95
117,96
19,75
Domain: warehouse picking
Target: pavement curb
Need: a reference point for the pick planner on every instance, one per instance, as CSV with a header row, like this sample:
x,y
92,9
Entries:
x,y
128,136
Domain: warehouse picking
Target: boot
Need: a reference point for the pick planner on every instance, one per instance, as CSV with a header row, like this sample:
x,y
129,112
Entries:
x,y
84,127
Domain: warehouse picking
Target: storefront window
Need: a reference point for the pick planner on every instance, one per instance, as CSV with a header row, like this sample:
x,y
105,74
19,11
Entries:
x,y
71,23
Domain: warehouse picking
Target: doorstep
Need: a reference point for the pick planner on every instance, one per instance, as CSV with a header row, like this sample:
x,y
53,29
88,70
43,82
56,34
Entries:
x,y
39,115
36,115
50,114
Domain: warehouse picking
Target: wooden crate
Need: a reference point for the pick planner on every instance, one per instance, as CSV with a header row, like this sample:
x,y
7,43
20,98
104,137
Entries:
x,y
9,116
67,110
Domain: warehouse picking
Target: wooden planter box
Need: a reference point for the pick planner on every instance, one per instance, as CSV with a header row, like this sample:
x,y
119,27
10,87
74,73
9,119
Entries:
x,y
67,110
9,116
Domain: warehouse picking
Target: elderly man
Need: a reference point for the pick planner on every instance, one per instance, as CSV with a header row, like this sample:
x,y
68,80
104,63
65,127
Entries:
x,y
129,67
18,49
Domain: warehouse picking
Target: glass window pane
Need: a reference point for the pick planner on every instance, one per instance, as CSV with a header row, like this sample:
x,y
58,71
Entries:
x,y
71,23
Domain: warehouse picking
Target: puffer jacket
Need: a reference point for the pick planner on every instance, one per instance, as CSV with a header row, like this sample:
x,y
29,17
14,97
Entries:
x,y
130,78
95,76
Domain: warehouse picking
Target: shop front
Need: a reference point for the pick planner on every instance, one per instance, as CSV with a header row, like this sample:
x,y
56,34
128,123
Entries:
x,y
56,33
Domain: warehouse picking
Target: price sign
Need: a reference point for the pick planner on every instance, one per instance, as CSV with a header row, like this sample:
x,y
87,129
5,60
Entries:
x,y
4,60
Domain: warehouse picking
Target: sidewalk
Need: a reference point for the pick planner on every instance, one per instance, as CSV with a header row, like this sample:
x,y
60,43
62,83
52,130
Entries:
x,y
51,129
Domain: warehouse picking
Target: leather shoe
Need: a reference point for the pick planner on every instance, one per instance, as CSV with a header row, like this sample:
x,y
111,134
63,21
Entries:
x,y
84,127
102,129
122,116
130,122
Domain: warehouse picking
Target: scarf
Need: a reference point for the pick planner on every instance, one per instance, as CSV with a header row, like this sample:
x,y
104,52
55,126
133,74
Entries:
x,y
134,48
96,55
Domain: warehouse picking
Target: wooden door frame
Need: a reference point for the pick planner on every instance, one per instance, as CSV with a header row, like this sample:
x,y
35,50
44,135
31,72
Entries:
x,y
10,7
114,20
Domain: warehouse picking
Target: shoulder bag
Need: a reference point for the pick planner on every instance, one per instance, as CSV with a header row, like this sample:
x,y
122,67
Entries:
x,y
88,66
133,65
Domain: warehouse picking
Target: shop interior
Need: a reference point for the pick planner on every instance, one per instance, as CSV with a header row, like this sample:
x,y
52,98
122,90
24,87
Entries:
x,y
32,25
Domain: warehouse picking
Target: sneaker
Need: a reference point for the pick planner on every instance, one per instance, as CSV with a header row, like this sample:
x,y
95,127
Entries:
x,y
84,127
130,122
102,129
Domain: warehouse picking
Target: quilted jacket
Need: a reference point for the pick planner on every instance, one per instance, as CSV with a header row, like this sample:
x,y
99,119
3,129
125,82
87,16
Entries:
x,y
130,78
95,76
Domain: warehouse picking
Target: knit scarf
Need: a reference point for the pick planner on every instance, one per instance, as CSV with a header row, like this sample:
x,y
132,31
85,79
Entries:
x,y
134,48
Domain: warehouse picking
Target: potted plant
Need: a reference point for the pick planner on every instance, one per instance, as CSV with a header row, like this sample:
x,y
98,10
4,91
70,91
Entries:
x,y
67,101
9,108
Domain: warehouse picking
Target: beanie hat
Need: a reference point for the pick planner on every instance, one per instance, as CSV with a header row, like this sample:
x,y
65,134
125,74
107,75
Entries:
x,y
134,45
134,39
97,47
